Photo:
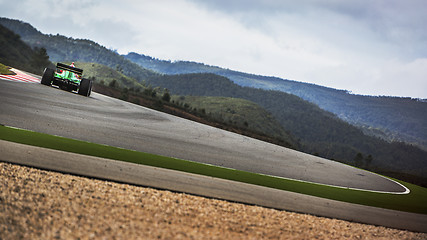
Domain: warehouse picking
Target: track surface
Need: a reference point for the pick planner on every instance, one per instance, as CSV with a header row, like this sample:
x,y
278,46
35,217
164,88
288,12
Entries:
x,y
104,120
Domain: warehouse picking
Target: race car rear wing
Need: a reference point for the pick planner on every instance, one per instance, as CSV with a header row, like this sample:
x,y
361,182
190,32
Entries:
x,y
75,70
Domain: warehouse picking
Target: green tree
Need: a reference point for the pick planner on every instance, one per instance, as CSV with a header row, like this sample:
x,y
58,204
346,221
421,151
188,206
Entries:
x,y
358,160
166,97
39,59
125,94
113,83
368,160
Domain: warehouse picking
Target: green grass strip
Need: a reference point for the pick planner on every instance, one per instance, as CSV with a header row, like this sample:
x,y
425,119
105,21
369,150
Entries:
x,y
4,70
415,201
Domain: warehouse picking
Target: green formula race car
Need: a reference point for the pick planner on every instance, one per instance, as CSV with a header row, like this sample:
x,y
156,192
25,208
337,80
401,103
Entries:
x,y
67,77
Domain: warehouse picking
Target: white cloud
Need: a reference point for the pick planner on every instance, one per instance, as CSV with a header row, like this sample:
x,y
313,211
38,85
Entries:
x,y
403,78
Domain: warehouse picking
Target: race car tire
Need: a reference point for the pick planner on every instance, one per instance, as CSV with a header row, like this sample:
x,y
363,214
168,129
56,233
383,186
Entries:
x,y
47,77
85,87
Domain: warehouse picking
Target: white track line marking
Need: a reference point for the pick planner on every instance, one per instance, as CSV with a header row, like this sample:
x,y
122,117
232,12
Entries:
x,y
407,191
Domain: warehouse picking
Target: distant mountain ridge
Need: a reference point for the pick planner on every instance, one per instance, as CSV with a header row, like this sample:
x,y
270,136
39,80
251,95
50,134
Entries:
x,y
391,118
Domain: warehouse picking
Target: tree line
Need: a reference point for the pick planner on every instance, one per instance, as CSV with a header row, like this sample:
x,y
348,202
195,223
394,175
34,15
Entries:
x,y
318,131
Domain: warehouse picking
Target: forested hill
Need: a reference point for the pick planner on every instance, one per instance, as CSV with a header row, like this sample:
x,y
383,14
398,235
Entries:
x,y
391,118
60,48
319,131
15,52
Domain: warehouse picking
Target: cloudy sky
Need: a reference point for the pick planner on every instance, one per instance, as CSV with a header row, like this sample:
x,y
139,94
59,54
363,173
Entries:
x,y
371,47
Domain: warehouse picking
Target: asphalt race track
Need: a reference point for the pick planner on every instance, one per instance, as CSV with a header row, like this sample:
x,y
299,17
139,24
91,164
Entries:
x,y
104,120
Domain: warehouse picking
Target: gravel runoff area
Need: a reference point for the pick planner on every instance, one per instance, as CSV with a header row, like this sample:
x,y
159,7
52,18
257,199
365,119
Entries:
x,y
38,204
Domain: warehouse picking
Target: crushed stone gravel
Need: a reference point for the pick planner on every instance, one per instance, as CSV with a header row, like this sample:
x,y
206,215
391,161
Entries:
x,y
38,204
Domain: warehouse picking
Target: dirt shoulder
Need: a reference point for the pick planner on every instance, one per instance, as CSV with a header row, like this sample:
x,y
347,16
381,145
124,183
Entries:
x,y
38,204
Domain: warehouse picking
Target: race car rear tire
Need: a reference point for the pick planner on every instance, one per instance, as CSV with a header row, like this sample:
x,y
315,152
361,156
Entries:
x,y
47,77
85,87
